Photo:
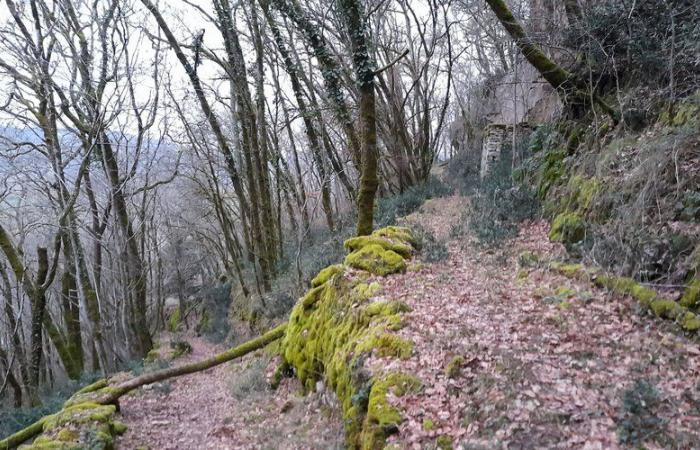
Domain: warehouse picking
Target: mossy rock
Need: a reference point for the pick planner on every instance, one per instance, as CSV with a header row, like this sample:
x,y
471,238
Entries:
x,y
331,331
661,307
690,322
382,418
326,274
402,234
568,228
691,295
667,309
377,260
360,242
79,414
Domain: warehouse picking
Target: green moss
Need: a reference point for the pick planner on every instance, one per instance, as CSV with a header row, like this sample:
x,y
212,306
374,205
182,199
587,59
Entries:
x,y
567,228
666,308
326,274
79,414
399,233
528,259
444,442
661,307
627,286
691,295
428,424
364,291
690,322
400,247
569,270
174,320
582,192
552,171
375,259
382,418
386,344
67,435
43,443
330,332
99,384
454,367
118,427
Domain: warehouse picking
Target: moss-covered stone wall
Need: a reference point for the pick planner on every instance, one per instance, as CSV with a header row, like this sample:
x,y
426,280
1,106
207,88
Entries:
x,y
81,424
341,322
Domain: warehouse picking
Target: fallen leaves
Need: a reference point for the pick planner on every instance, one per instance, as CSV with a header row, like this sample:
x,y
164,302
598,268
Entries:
x,y
536,373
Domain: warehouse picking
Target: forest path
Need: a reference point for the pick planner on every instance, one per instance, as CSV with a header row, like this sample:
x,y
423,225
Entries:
x,y
542,362
538,360
227,407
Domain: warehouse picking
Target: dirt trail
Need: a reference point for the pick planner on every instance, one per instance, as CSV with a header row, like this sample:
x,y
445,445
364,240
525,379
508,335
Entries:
x,y
543,362
200,411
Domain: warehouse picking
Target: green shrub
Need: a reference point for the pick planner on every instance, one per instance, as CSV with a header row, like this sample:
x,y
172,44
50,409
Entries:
x,y
498,206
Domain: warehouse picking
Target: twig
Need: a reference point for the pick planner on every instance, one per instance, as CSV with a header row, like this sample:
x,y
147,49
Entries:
x,y
397,59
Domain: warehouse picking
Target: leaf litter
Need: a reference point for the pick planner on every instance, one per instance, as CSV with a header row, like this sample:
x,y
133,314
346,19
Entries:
x,y
544,362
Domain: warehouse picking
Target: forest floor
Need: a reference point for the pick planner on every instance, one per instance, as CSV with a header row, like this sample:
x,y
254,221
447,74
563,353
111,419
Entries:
x,y
227,407
538,361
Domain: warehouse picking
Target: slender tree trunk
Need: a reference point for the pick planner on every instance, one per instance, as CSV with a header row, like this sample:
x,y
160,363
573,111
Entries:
x,y
364,72
311,134
136,276
6,368
330,70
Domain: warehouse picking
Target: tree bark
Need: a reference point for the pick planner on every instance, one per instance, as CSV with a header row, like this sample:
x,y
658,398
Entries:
x,y
330,71
555,75
314,143
364,72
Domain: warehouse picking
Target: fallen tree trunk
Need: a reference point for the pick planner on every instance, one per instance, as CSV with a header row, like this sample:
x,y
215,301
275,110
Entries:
x,y
102,393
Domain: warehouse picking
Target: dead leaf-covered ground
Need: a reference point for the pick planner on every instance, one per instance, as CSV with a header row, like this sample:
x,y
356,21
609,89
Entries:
x,y
544,362
538,361
226,408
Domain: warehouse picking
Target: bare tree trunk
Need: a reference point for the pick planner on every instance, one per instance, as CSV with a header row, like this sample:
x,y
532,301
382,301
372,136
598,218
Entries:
x,y
330,71
311,134
364,72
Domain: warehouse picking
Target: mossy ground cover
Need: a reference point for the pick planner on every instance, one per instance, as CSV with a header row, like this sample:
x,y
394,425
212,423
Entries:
x,y
648,298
